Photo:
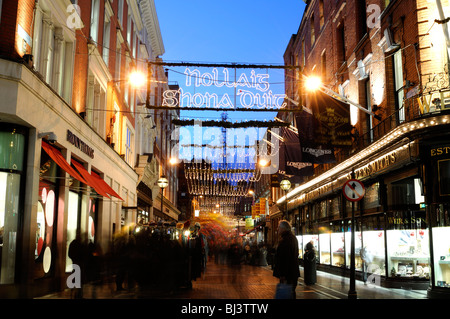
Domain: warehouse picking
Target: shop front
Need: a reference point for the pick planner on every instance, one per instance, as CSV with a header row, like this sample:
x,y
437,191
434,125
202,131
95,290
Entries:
x,y
437,186
58,179
390,221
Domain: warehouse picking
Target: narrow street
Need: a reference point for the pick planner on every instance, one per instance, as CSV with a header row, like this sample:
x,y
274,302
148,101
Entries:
x,y
248,282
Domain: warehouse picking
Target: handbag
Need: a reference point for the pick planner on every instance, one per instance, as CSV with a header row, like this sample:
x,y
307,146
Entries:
x,y
283,291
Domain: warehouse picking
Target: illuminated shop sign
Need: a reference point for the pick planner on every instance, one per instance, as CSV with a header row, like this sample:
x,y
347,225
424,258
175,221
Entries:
x,y
243,91
377,165
78,143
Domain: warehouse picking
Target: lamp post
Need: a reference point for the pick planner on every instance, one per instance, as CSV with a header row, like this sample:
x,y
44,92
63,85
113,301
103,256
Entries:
x,y
163,182
286,186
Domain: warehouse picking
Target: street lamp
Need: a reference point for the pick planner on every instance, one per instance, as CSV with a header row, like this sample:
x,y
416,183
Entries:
x,y
286,186
163,182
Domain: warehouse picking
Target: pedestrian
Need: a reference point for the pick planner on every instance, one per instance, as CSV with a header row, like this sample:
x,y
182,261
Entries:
x,y
286,258
309,260
78,253
366,259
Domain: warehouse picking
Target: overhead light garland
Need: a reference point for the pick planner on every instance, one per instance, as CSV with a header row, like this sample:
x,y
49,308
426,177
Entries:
x,y
227,124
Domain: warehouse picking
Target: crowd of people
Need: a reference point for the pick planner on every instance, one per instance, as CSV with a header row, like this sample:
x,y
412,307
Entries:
x,y
154,259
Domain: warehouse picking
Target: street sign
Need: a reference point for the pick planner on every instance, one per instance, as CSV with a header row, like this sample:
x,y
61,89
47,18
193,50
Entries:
x,y
353,190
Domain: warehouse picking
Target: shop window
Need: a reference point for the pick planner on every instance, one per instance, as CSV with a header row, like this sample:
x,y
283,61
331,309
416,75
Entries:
x,y
444,177
300,246
373,241
441,245
315,242
12,146
405,194
45,218
334,207
348,243
324,248
372,196
337,249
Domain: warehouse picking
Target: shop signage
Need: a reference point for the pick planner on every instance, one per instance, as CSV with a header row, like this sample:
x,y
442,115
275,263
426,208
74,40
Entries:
x,y
353,190
438,151
78,143
377,165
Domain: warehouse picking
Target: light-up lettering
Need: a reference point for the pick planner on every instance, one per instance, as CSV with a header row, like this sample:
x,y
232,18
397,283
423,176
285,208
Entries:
x,y
246,85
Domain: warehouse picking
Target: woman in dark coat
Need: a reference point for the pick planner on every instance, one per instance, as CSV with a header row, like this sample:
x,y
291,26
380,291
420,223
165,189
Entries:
x,y
310,264
286,257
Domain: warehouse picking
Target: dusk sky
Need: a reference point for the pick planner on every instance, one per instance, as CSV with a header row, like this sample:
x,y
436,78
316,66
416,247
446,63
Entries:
x,y
249,32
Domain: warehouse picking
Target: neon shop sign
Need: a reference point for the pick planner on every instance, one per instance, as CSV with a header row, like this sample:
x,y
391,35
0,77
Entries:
x,y
249,91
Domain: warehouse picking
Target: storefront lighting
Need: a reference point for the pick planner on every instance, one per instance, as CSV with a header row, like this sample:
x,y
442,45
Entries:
x,y
376,146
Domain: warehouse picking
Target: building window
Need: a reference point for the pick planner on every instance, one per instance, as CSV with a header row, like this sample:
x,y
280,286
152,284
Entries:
x,y
118,60
362,17
341,43
12,144
303,52
321,15
53,54
313,33
120,12
368,97
398,83
129,142
129,26
106,37
323,63
95,11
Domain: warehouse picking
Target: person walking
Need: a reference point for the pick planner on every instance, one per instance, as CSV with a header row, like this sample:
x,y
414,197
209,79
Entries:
x,y
286,266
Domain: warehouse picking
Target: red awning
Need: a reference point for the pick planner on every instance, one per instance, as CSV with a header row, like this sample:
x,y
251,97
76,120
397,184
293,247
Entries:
x,y
59,159
105,186
91,180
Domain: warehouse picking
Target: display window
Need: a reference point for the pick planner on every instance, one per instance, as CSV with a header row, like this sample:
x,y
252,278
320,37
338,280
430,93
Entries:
x,y
348,243
324,249
408,253
374,243
311,238
12,147
441,246
73,219
338,249
408,250
300,246
93,206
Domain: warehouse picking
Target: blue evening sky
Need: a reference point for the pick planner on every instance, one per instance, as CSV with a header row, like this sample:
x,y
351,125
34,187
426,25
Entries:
x,y
232,31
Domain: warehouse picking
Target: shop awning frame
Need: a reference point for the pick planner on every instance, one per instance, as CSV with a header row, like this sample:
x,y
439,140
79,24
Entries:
x,y
59,159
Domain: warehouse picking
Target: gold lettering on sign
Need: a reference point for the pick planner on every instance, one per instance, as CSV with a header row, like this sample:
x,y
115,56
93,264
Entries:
x,y
440,150
377,165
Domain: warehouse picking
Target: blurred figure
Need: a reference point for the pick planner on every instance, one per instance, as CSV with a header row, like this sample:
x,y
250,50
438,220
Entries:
x,y
310,264
78,254
286,257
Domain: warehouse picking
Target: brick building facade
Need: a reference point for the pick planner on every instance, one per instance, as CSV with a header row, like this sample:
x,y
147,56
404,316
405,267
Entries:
x,y
390,58
76,138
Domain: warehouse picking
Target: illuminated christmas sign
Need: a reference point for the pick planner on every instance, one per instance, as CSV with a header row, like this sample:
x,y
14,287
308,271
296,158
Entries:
x,y
248,91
